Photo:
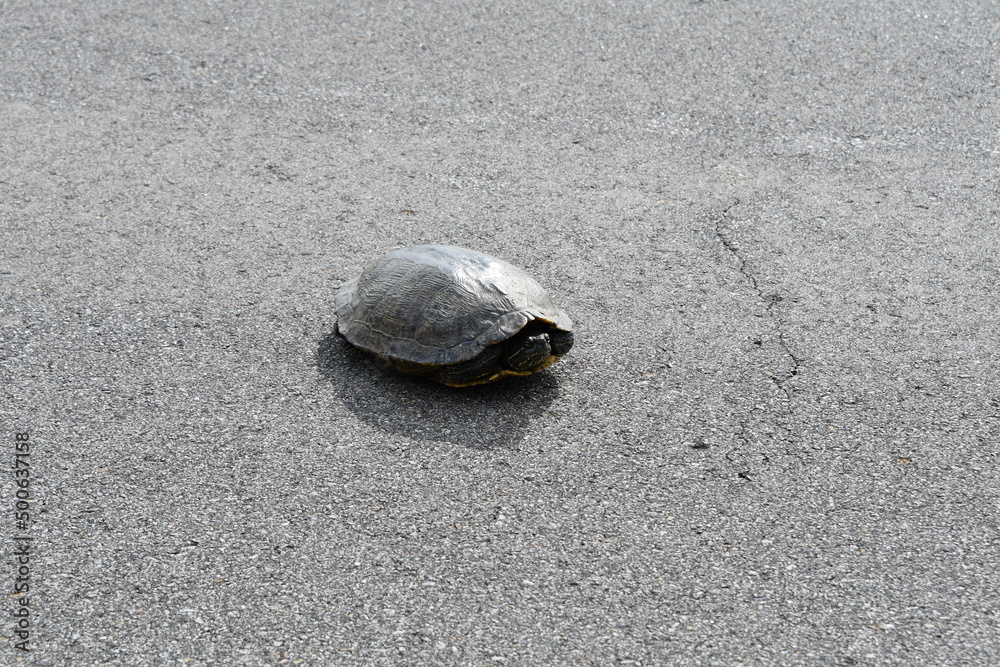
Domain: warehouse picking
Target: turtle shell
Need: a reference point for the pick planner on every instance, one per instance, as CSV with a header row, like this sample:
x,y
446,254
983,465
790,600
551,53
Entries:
x,y
439,305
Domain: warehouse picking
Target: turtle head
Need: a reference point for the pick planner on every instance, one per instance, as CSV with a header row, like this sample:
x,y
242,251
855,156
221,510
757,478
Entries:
x,y
535,347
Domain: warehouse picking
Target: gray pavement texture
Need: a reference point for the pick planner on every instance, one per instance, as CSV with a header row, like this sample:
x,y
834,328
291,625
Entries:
x,y
775,224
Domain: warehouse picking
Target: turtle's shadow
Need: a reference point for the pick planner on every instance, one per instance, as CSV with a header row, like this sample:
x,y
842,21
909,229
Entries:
x,y
481,417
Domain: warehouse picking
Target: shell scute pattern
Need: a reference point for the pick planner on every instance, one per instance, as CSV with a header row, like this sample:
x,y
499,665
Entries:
x,y
429,306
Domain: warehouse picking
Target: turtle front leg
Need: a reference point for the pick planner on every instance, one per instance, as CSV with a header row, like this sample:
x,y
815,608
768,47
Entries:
x,y
484,368
560,341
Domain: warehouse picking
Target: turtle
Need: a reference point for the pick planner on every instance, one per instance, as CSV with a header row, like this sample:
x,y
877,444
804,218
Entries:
x,y
456,316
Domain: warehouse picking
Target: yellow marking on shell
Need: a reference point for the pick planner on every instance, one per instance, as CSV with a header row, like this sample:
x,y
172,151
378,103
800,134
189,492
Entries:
x,y
504,373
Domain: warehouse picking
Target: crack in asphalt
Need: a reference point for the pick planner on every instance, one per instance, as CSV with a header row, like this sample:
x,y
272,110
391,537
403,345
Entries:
x,y
769,300
780,381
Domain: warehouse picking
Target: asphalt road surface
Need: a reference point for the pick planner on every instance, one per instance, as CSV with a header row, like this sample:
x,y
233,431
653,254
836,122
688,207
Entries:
x,y
775,225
